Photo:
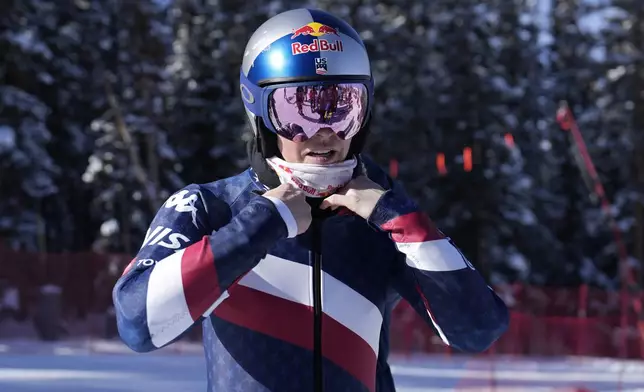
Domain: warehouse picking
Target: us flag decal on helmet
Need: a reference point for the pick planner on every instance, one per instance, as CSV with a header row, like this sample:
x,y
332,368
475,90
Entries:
x,y
321,66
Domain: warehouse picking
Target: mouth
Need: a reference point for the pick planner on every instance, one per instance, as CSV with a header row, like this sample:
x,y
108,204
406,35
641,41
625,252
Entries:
x,y
321,153
321,156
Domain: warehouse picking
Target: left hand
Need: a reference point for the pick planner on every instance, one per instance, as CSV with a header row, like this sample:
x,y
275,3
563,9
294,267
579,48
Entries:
x,y
360,195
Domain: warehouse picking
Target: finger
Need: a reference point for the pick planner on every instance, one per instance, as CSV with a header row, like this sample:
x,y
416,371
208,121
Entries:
x,y
291,187
297,191
334,201
331,207
327,203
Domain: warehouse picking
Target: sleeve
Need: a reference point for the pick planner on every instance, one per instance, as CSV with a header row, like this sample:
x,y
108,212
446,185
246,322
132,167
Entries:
x,y
436,279
193,251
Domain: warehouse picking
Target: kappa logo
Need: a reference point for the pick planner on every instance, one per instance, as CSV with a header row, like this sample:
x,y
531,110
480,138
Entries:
x,y
174,240
181,203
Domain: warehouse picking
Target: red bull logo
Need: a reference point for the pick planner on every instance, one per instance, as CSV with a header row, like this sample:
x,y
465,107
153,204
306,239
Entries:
x,y
316,29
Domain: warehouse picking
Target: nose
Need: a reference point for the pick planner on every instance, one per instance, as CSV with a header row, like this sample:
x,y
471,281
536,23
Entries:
x,y
325,134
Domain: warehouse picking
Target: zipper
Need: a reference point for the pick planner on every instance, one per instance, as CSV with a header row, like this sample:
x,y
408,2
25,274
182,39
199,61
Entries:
x,y
315,257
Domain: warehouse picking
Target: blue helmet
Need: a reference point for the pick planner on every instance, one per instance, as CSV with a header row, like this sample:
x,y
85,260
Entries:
x,y
301,47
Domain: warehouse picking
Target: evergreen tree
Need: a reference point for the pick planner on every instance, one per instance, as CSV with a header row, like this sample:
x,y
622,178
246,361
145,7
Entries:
x,y
133,167
489,56
73,32
615,143
637,38
586,62
27,171
207,111
108,107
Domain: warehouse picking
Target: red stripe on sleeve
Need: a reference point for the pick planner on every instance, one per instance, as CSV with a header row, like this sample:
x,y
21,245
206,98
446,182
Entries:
x,y
413,227
199,277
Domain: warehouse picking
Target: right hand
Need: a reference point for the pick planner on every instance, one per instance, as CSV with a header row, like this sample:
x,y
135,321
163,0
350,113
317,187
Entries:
x,y
295,200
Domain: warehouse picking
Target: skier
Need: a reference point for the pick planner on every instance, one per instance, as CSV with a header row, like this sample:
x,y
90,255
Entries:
x,y
292,267
300,94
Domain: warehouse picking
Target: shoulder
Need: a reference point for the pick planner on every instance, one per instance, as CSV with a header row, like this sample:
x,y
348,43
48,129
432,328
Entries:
x,y
211,202
229,189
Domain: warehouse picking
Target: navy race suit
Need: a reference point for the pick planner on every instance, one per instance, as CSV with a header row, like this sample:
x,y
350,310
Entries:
x,y
303,313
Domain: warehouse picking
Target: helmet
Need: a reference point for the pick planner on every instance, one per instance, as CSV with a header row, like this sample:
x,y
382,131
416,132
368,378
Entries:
x,y
299,54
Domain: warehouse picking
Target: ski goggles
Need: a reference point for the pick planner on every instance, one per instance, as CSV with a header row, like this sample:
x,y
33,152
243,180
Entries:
x,y
298,111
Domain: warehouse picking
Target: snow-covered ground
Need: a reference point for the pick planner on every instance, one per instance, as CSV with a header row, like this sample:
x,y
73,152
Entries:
x,y
105,366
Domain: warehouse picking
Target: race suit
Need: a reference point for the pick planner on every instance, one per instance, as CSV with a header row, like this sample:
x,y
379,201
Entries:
x,y
292,313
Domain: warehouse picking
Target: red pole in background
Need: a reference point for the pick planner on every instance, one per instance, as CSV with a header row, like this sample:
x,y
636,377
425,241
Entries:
x,y
393,168
567,122
509,140
582,313
440,164
467,159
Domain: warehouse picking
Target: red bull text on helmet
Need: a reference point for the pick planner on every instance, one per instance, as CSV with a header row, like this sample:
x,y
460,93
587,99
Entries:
x,y
316,29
